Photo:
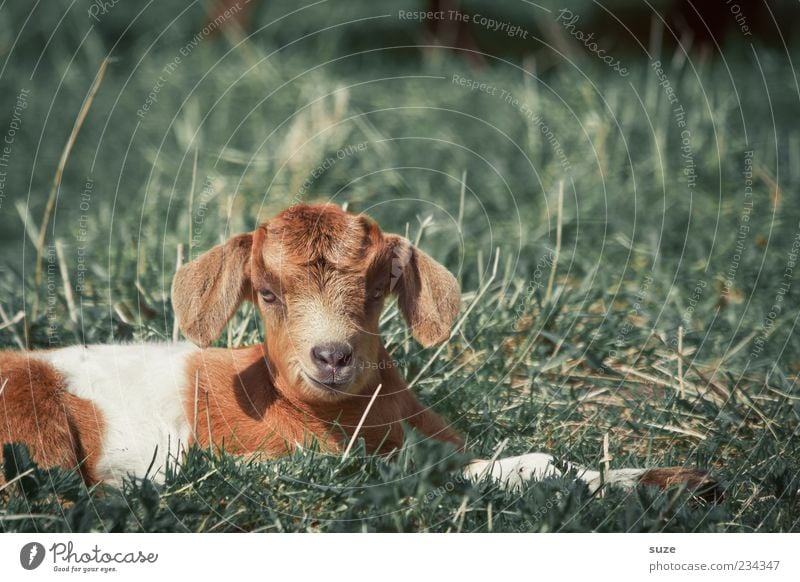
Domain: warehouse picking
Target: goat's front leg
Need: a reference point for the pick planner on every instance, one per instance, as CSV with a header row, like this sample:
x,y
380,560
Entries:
x,y
514,472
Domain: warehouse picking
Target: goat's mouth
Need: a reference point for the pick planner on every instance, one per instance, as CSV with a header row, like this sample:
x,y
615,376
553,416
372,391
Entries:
x,y
332,385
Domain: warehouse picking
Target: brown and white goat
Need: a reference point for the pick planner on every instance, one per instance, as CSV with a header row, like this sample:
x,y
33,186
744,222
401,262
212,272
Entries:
x,y
319,277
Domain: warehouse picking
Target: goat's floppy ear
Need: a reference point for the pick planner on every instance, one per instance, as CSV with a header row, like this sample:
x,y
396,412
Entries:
x,y
428,295
207,290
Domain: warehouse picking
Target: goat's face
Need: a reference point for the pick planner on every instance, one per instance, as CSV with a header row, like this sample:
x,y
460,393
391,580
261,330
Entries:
x,y
319,277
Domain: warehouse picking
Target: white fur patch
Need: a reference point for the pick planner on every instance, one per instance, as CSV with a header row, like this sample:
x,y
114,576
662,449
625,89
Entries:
x,y
513,472
139,390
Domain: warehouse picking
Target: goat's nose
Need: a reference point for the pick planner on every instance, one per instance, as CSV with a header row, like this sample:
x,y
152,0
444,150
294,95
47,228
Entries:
x,y
332,355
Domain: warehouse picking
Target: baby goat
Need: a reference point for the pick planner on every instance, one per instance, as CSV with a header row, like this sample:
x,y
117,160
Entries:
x,y
319,277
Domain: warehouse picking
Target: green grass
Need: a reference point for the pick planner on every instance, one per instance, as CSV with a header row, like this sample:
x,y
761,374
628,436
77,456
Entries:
x,y
642,254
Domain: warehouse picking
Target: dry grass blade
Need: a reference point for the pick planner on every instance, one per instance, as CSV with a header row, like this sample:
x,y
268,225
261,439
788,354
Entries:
x,y
680,362
723,393
361,422
18,316
17,478
677,429
9,323
176,328
559,217
68,294
459,515
196,402
62,163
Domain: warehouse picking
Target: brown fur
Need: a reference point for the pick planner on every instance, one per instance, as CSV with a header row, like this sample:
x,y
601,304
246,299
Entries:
x,y
700,483
242,408
60,429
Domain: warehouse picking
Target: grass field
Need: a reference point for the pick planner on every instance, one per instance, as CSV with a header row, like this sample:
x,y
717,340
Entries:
x,y
626,245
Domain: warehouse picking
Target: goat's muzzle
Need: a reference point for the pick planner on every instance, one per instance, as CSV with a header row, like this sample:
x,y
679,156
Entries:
x,y
334,366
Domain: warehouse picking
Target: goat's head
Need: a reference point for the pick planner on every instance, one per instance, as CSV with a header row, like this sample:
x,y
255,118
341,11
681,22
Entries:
x,y
319,277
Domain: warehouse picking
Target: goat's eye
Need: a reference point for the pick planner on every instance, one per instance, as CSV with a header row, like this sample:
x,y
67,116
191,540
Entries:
x,y
377,293
268,296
